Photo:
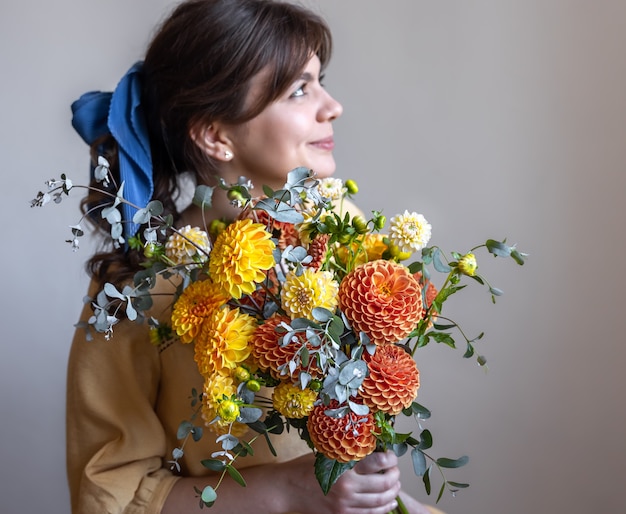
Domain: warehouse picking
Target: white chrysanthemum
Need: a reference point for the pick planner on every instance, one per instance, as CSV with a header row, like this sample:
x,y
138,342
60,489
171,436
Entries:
x,y
188,246
410,232
331,188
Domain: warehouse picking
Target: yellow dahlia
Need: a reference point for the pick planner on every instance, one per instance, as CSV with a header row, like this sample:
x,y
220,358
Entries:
x,y
240,257
301,294
307,228
271,356
216,389
224,341
187,246
410,232
393,380
344,439
198,301
292,401
382,299
372,247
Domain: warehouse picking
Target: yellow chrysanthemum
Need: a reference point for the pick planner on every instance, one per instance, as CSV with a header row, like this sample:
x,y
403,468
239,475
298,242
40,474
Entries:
x,y
197,302
224,341
301,294
410,232
331,188
292,401
216,388
188,246
240,257
468,264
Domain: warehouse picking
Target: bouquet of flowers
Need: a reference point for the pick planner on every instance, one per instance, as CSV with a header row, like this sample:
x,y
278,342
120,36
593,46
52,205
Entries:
x,y
304,316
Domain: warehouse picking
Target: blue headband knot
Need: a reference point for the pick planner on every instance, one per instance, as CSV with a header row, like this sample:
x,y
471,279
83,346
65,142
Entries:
x,y
120,114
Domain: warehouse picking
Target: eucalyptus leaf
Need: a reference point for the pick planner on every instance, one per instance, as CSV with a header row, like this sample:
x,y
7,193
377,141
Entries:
x,y
208,495
452,463
249,414
438,264
203,196
419,462
112,292
213,464
235,475
184,429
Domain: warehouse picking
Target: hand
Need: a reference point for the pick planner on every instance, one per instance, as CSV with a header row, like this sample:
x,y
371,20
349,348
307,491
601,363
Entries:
x,y
370,487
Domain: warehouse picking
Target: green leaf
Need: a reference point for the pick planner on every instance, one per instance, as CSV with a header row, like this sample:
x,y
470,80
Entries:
x,y
184,429
452,463
235,475
426,480
518,256
458,485
213,464
442,337
426,440
328,471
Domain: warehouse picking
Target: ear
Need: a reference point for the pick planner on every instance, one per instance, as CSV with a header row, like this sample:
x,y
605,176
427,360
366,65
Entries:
x,y
212,141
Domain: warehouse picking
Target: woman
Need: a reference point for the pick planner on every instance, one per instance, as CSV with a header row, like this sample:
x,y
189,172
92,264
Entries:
x,y
228,88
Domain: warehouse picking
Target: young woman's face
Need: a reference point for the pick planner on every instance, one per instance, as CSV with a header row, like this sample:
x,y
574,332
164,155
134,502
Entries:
x,y
295,130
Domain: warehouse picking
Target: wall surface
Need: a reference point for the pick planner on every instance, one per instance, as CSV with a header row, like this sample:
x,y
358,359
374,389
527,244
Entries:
x,y
492,118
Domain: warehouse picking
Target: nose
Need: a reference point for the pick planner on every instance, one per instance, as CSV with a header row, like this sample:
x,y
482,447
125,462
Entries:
x,y
330,109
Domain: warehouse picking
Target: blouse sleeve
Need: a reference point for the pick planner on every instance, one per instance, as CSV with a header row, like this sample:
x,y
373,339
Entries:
x,y
115,441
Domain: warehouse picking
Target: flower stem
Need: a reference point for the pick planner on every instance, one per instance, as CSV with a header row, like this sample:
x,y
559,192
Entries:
x,y
401,508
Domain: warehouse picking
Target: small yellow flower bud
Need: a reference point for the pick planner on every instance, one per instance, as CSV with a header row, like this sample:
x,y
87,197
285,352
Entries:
x,y
242,374
149,250
379,222
359,224
253,385
228,410
315,385
235,196
468,265
398,255
351,186
216,227
344,238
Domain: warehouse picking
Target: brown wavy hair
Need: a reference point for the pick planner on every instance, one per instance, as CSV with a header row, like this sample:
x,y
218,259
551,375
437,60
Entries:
x,y
197,70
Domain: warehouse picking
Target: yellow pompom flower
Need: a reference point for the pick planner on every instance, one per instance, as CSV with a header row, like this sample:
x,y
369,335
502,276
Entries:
x,y
198,301
301,294
188,246
468,264
240,257
224,341
292,401
228,411
216,389
410,232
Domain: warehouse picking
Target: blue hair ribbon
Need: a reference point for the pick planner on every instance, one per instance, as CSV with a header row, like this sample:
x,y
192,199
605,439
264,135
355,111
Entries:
x,y
120,114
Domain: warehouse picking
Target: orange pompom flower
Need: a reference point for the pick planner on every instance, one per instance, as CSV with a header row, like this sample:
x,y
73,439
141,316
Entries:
x,y
272,357
197,302
346,438
393,380
242,253
382,299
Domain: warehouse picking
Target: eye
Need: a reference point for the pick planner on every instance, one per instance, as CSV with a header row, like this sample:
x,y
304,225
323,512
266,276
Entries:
x,y
298,92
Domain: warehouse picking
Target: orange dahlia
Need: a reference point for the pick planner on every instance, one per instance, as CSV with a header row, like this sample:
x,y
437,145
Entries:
x,y
346,438
241,255
318,250
382,299
393,380
223,341
197,302
271,357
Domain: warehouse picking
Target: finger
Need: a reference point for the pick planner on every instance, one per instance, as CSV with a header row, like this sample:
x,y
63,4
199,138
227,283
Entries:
x,y
375,462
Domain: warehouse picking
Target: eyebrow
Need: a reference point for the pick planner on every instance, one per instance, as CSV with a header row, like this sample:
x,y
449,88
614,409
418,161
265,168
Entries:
x,y
306,76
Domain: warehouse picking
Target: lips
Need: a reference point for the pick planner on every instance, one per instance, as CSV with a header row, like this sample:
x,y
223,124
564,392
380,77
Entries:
x,y
327,143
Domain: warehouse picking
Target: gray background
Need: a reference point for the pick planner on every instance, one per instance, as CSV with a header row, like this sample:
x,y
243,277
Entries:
x,y
493,118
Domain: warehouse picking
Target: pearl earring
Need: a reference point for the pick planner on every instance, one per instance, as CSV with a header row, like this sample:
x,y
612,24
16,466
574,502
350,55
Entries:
x,y
228,155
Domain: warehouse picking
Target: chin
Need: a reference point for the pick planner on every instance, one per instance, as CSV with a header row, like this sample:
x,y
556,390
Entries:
x,y
324,170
